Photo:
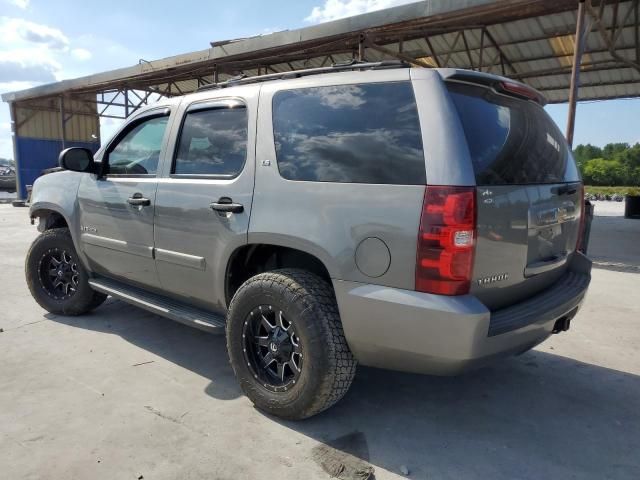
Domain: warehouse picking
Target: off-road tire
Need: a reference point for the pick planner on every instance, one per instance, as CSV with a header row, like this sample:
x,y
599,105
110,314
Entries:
x,y
83,300
328,366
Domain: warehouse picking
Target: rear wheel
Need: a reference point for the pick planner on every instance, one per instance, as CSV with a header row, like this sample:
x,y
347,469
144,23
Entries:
x,y
286,344
55,276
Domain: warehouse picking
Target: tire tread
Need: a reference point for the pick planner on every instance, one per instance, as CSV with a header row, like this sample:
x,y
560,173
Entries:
x,y
315,293
81,302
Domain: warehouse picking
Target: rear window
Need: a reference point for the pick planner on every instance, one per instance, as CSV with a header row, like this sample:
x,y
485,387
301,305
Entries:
x,y
365,133
511,141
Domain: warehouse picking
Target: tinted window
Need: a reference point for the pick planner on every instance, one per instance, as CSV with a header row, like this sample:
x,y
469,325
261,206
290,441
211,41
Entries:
x,y
212,142
138,152
511,141
366,133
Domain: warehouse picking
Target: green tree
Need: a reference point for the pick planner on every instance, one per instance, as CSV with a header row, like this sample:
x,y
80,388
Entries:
x,y
633,177
599,171
630,157
583,153
612,150
616,164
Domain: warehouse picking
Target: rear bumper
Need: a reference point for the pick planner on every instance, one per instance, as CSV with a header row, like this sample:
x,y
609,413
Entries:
x,y
417,332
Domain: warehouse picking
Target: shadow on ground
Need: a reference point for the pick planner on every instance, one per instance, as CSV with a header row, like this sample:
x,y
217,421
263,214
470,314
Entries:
x,y
535,416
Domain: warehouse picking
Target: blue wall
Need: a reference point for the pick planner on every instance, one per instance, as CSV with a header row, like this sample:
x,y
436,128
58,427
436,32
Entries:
x,y
34,155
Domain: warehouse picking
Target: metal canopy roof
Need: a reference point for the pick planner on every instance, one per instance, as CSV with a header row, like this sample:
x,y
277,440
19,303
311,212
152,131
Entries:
x,y
532,41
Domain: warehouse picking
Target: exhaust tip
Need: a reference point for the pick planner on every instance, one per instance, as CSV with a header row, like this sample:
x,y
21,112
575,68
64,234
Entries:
x,y
562,325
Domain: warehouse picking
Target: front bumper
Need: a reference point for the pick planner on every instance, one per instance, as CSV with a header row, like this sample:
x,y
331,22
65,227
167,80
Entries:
x,y
435,334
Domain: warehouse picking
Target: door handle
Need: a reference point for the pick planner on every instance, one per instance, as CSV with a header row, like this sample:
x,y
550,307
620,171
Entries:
x,y
225,204
138,200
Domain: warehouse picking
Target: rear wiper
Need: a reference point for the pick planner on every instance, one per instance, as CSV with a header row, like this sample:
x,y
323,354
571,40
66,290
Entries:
x,y
564,190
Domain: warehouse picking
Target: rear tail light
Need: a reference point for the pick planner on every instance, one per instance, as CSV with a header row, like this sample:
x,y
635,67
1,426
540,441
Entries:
x,y
583,214
446,241
522,90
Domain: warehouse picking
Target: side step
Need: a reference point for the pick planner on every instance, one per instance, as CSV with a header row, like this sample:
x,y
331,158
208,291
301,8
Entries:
x,y
173,309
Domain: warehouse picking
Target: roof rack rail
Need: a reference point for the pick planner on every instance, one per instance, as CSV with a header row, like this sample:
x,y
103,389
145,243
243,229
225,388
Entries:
x,y
336,67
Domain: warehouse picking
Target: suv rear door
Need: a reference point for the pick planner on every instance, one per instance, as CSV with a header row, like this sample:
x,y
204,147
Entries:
x,y
529,194
210,166
341,173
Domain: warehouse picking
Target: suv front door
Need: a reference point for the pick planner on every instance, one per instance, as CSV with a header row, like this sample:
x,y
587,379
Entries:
x,y
204,197
116,207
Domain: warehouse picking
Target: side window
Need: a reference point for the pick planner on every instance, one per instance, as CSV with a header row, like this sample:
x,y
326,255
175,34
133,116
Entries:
x,y
138,152
365,133
212,142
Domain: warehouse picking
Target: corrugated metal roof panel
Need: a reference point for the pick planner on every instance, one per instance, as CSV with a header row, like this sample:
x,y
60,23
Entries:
x,y
535,43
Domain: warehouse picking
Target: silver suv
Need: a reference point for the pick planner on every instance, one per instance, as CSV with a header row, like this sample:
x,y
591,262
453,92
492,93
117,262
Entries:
x,y
410,219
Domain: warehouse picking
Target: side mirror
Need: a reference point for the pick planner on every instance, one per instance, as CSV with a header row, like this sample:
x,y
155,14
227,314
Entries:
x,y
77,159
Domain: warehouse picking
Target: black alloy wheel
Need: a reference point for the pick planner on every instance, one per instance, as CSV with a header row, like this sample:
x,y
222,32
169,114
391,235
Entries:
x,y
286,343
58,274
272,348
56,277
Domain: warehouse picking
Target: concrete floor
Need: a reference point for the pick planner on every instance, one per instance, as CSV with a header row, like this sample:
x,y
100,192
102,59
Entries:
x,y
6,197
124,394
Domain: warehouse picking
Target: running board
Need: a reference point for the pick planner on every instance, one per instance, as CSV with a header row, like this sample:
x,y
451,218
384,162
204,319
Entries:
x,y
173,309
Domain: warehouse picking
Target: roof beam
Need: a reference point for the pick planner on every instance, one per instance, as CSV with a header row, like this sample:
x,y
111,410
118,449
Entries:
x,y
503,57
592,85
410,23
455,42
615,17
66,110
555,34
432,52
398,55
607,39
615,34
466,47
598,66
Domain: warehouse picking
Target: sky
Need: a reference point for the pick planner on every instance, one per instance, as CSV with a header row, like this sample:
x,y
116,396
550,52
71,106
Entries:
x,y
43,41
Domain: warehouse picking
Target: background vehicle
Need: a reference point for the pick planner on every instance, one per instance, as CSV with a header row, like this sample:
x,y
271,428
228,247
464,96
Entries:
x,y
411,219
7,178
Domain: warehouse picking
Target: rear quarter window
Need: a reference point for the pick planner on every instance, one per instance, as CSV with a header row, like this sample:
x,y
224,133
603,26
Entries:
x,y
511,141
364,133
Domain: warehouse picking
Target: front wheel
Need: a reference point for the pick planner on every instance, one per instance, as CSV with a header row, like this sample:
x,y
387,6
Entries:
x,y
55,276
286,344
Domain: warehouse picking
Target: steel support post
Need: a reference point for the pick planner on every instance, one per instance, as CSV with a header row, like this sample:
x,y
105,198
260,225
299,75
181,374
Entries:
x,y
636,30
361,55
480,61
63,124
575,72
22,195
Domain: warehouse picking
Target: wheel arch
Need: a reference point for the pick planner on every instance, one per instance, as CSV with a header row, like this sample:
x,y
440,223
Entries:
x,y
49,217
254,258
52,215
